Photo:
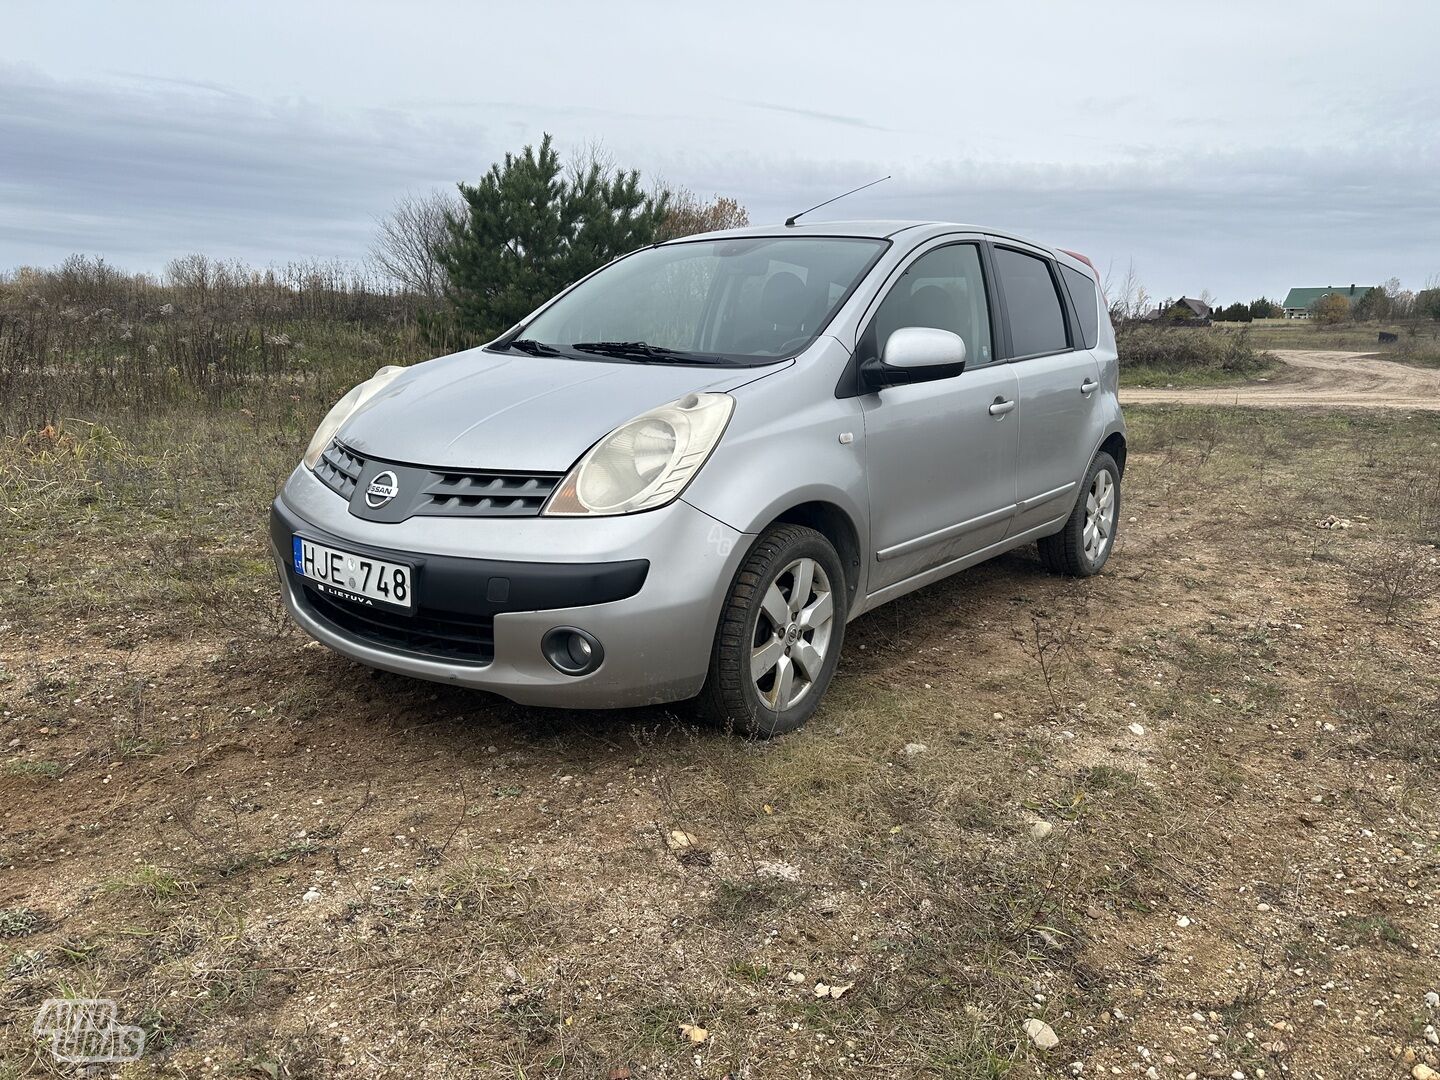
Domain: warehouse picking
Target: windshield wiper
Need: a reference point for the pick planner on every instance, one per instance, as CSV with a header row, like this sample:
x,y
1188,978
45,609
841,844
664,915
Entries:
x,y
534,348
643,351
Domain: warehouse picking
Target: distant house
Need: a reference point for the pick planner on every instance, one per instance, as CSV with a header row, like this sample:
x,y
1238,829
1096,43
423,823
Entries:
x,y
1200,309
1300,303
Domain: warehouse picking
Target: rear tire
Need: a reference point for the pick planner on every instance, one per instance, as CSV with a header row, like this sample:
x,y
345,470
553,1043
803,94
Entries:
x,y
780,634
1083,546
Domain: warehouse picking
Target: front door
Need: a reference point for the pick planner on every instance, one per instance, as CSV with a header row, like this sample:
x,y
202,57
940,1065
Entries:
x,y
940,456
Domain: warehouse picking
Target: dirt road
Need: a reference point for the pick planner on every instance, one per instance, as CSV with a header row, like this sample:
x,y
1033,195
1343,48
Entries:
x,y
1313,378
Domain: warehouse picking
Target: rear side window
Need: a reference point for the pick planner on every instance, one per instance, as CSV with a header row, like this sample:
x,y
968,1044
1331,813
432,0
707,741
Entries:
x,y
1037,322
1087,303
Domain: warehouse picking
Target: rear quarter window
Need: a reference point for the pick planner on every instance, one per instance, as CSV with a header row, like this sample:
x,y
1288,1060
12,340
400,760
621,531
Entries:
x,y
1087,303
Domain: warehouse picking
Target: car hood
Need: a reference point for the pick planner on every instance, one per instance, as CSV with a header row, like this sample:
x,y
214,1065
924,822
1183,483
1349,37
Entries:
x,y
482,410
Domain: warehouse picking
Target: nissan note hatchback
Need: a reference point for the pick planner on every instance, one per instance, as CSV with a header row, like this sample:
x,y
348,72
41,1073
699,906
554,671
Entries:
x,y
683,476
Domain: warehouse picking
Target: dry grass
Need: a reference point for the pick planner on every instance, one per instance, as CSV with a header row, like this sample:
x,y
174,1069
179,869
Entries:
x,y
1154,354
85,339
284,865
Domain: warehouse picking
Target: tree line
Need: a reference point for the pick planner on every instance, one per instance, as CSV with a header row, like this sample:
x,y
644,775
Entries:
x,y
1261,307
1388,302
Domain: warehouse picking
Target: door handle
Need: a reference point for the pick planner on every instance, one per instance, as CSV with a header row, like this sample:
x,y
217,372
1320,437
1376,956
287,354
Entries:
x,y
999,407
1088,387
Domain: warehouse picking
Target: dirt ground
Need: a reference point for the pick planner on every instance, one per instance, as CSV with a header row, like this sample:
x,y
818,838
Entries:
x,y
1335,380
1185,814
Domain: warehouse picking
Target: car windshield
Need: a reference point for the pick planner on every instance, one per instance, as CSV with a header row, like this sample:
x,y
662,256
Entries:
x,y
750,300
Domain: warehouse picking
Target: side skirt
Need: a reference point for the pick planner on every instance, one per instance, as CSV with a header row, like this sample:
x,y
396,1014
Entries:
x,y
944,570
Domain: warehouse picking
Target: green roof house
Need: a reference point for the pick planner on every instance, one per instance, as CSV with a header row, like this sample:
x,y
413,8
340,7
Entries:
x,y
1300,303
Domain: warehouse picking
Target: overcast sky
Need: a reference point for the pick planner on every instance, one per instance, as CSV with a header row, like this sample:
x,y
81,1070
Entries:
x,y
1218,146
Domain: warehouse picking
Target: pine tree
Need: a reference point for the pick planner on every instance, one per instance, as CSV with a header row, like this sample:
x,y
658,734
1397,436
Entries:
x,y
528,229
1373,304
1265,308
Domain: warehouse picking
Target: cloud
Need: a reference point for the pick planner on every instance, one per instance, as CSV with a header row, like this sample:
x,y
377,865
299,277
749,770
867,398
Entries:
x,y
149,168
813,114
141,174
1239,222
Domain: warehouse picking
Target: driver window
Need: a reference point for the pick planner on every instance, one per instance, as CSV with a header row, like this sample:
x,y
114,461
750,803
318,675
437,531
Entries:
x,y
944,289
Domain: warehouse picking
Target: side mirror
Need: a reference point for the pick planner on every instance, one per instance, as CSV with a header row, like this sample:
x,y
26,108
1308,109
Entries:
x,y
916,354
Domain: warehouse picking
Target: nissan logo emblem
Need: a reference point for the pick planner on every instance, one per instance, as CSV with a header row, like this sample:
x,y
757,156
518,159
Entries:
x,y
382,489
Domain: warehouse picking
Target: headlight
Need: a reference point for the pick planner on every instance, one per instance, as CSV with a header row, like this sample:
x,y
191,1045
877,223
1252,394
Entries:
x,y
647,462
344,409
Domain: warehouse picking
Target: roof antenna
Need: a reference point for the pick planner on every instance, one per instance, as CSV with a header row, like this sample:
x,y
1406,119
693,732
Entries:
x,y
790,221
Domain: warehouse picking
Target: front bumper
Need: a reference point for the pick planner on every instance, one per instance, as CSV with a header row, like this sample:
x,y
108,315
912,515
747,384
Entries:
x,y
648,586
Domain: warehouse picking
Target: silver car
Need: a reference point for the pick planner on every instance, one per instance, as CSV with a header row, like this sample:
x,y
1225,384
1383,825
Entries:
x,y
681,477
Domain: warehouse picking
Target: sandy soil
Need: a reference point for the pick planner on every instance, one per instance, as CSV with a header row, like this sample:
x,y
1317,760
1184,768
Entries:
x,y
1314,378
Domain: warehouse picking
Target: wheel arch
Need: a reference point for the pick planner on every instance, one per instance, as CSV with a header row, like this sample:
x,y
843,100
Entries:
x,y
833,523
1114,445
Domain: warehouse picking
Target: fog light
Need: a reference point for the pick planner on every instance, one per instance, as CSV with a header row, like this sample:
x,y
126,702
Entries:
x,y
572,651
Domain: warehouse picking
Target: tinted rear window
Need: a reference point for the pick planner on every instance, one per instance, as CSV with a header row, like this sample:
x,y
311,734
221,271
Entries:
x,y
1087,303
1037,324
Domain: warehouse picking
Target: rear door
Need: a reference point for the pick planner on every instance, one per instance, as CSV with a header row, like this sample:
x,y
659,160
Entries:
x,y
940,463
1057,383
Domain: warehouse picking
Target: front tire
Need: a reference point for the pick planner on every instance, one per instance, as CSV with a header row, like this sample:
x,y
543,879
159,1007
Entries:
x,y
780,634
1083,546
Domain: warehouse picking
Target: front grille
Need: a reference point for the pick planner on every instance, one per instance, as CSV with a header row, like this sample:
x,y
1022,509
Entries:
x,y
435,492
465,640
488,494
339,469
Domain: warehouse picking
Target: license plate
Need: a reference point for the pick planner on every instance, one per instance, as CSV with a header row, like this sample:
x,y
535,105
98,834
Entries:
x,y
361,578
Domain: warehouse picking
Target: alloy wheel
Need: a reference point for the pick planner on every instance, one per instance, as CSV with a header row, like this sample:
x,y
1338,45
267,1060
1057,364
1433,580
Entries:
x,y
1099,515
792,634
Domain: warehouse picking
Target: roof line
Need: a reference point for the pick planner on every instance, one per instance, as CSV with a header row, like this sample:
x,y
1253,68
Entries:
x,y
913,225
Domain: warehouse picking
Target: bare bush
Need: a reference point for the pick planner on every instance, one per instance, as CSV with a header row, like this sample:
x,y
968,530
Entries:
x,y
1053,647
1331,310
1407,730
405,243
1182,349
688,215
1425,495
1128,297
1396,577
